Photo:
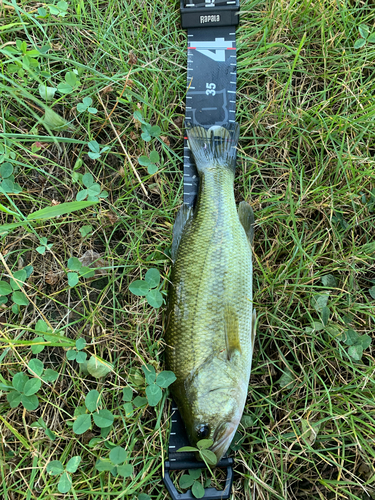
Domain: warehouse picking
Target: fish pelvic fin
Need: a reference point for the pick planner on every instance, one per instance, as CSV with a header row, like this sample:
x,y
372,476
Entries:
x,y
246,216
231,330
214,145
183,216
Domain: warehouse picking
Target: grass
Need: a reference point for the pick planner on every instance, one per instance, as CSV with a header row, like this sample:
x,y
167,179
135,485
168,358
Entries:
x,y
306,165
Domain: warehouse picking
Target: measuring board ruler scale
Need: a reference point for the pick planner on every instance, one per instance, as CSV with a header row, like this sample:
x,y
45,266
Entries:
x,y
211,73
210,101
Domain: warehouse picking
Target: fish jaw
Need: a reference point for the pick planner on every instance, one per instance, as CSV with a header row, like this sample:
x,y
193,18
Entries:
x,y
224,434
222,443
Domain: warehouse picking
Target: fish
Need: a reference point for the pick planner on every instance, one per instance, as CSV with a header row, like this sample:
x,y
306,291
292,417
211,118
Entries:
x,y
210,329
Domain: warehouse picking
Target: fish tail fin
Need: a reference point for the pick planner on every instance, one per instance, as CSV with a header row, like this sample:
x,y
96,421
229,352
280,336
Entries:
x,y
216,144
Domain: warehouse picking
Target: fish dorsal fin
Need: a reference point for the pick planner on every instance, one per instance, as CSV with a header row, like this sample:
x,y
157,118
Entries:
x,y
214,145
183,215
246,216
231,331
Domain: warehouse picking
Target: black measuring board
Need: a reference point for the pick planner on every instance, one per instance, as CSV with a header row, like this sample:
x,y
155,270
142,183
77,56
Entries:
x,y
186,460
210,102
211,84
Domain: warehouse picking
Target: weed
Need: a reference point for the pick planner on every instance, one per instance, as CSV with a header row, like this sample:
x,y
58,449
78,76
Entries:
x,y
59,10
78,270
55,468
115,463
85,230
366,36
6,154
85,105
103,418
149,287
53,121
154,389
13,289
129,406
202,449
8,185
23,389
97,367
155,384
148,131
40,424
44,245
77,354
357,343
190,480
150,162
42,331
47,93
95,153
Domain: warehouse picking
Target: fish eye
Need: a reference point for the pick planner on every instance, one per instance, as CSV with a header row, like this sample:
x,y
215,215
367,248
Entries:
x,y
203,431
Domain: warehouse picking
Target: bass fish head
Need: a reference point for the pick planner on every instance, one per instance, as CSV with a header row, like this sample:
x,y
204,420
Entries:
x,y
216,401
218,422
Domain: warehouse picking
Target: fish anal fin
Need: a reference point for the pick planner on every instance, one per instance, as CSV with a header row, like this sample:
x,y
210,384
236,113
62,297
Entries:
x,y
183,215
231,330
246,216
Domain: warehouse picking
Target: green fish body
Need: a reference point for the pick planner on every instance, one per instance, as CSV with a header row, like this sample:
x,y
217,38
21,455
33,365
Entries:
x,y
210,332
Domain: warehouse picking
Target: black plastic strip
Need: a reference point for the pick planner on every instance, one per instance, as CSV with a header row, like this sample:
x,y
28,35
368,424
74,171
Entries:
x,y
211,89
210,101
185,460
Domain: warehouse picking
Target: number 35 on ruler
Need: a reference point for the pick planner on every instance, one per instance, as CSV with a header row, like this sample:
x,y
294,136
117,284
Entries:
x,y
210,88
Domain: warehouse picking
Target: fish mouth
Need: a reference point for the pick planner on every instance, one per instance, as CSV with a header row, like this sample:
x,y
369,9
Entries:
x,y
223,439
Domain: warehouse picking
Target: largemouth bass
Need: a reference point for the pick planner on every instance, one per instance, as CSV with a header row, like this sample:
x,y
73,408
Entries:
x,y
210,332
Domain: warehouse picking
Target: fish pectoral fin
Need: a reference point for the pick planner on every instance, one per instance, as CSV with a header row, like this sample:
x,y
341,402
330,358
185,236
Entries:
x,y
183,215
246,216
231,330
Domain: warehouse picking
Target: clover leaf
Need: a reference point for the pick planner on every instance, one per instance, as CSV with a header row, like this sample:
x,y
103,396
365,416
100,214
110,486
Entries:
x,y
150,162
116,463
149,288
55,468
85,105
